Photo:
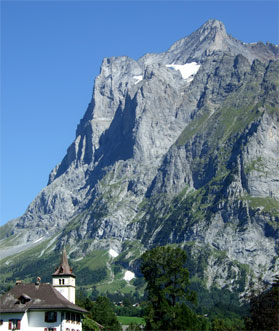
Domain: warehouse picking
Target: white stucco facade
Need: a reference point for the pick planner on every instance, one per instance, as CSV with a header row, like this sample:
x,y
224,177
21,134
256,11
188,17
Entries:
x,y
35,321
66,285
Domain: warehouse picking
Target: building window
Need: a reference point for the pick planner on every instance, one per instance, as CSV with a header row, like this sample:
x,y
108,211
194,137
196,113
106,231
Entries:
x,y
1,322
68,317
61,281
14,324
50,316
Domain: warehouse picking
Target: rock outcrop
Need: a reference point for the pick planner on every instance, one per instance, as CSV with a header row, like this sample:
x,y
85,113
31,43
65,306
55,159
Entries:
x,y
179,147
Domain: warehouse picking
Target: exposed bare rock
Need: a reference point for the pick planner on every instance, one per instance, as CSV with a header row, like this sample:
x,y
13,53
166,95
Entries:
x,y
176,147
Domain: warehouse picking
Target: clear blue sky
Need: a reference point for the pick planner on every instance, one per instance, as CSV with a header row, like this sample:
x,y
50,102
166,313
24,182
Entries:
x,y
51,52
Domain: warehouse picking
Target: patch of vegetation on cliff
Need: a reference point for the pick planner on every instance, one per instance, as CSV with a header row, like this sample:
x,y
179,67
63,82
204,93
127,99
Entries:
x,y
27,267
10,240
87,276
5,231
196,126
267,205
255,165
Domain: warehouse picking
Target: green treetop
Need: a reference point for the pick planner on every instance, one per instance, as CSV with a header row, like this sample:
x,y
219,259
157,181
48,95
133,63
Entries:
x,y
168,291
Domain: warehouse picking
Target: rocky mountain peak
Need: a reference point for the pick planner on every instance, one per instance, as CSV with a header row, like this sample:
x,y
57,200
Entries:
x,y
175,147
211,39
212,28
212,24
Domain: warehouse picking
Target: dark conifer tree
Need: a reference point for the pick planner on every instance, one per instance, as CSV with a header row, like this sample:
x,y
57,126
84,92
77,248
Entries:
x,y
168,291
264,310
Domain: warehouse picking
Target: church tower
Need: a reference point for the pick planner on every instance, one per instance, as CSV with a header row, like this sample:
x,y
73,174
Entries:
x,y
64,280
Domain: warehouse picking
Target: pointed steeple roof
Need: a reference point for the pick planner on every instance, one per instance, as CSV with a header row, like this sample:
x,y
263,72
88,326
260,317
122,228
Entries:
x,y
64,269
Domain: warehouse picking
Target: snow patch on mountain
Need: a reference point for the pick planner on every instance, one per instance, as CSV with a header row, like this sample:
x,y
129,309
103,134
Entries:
x,y
38,240
138,78
113,253
187,70
129,275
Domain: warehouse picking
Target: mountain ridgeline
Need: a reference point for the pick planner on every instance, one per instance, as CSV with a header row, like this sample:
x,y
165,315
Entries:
x,y
177,148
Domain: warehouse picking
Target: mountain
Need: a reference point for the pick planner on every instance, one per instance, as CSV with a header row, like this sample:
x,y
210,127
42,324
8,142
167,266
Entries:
x,y
177,148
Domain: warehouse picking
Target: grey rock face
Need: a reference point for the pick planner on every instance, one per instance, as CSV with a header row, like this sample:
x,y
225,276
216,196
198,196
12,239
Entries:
x,y
175,147
261,159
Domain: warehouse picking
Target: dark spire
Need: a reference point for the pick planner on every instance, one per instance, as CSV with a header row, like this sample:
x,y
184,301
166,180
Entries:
x,y
64,268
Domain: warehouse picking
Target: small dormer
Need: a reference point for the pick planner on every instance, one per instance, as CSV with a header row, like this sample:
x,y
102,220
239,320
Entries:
x,y
63,279
23,299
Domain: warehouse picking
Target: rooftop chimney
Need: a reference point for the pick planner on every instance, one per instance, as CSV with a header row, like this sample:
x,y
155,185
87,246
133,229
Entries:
x,y
38,281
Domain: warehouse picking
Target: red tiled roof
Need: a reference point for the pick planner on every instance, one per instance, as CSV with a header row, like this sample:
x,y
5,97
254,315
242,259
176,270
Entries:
x,y
42,296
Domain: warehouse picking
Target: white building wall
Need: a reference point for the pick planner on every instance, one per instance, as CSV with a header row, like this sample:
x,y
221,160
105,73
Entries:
x,y
7,317
66,286
37,322
72,326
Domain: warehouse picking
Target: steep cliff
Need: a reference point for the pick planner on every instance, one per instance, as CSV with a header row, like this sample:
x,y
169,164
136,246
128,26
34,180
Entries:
x,y
175,148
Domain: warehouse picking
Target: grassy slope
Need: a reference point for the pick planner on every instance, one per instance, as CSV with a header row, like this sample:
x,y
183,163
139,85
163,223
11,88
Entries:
x,y
126,320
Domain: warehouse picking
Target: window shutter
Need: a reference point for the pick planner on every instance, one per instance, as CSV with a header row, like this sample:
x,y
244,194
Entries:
x,y
10,325
55,317
46,316
18,324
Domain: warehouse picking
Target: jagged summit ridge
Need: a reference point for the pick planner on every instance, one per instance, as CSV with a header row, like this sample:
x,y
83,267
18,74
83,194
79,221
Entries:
x,y
210,38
